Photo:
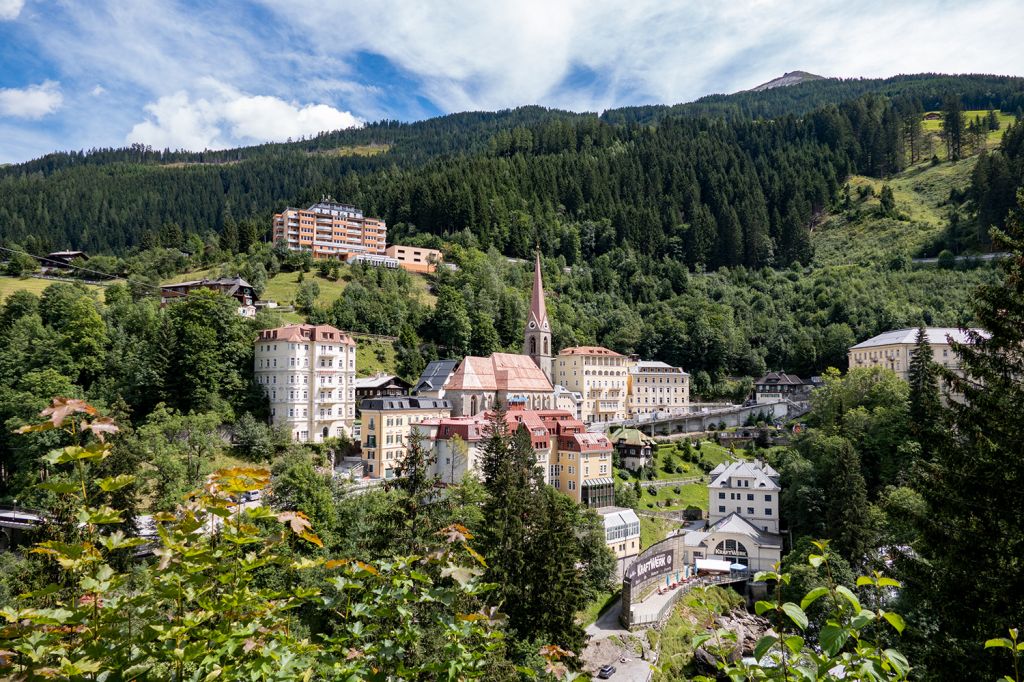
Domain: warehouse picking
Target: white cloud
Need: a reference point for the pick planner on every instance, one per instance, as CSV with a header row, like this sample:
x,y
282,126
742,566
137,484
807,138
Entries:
x,y
33,101
98,91
10,9
216,115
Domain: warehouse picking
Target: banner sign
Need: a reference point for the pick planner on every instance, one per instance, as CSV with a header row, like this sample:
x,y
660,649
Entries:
x,y
652,566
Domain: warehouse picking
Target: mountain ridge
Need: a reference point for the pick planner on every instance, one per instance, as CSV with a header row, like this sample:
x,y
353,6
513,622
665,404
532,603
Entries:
x,y
787,79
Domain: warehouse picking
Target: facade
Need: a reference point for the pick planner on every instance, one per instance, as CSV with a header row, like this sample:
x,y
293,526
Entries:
x,y
308,372
380,386
778,386
657,387
892,350
62,259
570,401
734,539
329,229
457,444
750,489
415,258
621,534
235,287
537,334
386,426
479,384
600,376
634,447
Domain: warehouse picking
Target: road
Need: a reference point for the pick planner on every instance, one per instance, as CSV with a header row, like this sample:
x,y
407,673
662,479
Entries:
x,y
600,651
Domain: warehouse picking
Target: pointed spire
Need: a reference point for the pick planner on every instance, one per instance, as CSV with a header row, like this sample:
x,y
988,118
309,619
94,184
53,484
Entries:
x,y
538,311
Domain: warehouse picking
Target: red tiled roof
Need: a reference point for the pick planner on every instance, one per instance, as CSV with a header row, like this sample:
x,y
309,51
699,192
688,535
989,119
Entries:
x,y
307,332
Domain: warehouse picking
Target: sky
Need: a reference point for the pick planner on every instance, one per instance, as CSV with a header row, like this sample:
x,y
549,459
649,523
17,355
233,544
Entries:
x,y
209,74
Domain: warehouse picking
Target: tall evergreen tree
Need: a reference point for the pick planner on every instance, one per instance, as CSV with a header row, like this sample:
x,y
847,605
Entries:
x,y
969,584
925,405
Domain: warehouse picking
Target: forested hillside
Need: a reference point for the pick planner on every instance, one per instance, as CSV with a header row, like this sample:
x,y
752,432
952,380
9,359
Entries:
x,y
705,182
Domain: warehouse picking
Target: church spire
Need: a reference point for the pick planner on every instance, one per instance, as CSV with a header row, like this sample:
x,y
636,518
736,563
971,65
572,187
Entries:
x,y
538,311
537,334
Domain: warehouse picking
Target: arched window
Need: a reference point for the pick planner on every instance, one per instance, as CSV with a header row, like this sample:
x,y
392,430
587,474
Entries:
x,y
472,403
533,345
547,350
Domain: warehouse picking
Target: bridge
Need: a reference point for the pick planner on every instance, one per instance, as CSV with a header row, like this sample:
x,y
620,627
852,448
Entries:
x,y
668,424
15,522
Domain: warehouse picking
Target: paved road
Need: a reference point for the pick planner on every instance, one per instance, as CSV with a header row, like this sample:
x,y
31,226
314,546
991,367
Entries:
x,y
634,669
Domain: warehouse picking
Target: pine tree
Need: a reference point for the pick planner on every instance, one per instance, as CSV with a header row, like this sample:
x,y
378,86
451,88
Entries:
x,y
969,584
847,508
925,406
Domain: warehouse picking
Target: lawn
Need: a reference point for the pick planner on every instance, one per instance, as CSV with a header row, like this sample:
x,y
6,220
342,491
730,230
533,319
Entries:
x,y
665,497
689,495
8,285
654,529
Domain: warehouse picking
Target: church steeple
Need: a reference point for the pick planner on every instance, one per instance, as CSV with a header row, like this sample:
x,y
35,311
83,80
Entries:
x,y
537,334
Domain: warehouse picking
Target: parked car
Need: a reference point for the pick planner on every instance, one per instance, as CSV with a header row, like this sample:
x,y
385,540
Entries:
x,y
605,672
252,496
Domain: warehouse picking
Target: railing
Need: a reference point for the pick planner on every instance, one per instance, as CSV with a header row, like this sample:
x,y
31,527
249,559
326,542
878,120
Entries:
x,y
705,581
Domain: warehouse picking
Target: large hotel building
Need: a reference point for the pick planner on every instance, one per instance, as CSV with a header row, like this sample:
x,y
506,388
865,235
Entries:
x,y
331,230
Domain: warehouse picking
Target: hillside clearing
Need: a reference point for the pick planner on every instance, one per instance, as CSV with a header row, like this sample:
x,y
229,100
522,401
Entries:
x,y
35,285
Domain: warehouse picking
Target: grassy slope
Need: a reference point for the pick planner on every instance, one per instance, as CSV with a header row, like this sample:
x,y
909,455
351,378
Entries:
x,y
690,494
8,285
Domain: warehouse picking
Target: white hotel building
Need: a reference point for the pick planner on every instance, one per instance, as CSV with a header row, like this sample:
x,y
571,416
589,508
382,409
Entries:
x,y
308,372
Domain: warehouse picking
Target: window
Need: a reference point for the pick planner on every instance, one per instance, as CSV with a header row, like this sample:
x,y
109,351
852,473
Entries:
x,y
721,509
767,512
750,497
750,511
767,498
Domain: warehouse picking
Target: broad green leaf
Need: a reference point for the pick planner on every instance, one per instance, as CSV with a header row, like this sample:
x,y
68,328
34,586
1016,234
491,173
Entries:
x,y
832,638
898,661
699,640
763,646
762,607
863,580
889,582
59,487
850,596
99,516
999,642
815,560
895,620
795,643
813,596
796,614
115,482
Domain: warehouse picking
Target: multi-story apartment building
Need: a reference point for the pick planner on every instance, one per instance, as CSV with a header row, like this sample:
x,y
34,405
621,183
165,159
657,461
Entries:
x,y
599,375
329,229
308,372
750,489
386,426
573,460
415,258
892,350
655,386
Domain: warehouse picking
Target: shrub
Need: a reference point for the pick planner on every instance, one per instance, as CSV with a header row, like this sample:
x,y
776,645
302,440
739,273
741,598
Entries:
x,y
677,490
652,491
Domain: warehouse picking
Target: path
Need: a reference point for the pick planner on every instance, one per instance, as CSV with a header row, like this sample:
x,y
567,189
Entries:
x,y
600,651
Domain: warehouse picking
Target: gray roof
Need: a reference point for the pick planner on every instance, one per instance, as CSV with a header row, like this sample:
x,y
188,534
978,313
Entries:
x,y
765,478
618,516
909,336
378,381
779,379
734,523
435,374
405,404
656,364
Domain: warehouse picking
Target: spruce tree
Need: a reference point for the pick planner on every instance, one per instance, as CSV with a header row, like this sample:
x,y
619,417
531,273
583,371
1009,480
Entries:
x,y
925,406
969,584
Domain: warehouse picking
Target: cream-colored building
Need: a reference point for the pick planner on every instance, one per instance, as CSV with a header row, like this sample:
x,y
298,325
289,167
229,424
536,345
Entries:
x,y
308,372
600,376
750,489
621,534
386,425
893,349
655,386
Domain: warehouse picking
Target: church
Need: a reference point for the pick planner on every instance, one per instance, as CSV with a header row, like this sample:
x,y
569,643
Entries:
x,y
477,384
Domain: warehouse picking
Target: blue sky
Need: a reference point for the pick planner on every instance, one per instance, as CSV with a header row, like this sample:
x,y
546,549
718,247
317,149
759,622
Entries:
x,y
76,74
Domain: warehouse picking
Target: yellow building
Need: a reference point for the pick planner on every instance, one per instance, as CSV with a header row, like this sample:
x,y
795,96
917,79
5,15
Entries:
x,y
893,349
415,258
386,425
599,375
655,386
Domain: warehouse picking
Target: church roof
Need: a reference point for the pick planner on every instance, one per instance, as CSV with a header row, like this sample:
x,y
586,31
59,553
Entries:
x,y
499,372
538,315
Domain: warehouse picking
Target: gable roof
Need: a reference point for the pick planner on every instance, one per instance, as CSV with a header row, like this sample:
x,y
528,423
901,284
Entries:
x,y
736,524
765,477
935,335
779,379
500,372
380,381
589,350
307,332
435,374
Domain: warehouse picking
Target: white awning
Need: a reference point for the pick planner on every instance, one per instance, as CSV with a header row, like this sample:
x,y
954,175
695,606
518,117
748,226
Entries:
x,y
598,481
714,565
